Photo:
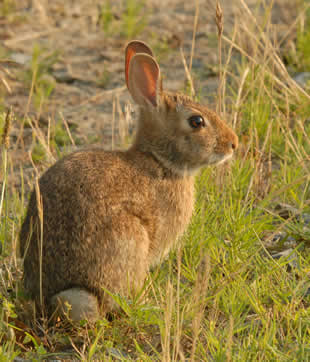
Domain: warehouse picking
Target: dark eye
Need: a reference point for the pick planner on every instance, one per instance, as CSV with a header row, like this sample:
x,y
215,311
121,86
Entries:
x,y
196,122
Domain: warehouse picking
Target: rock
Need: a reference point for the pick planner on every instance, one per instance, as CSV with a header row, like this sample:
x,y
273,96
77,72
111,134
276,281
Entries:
x,y
291,257
20,58
63,76
118,355
302,78
305,218
307,293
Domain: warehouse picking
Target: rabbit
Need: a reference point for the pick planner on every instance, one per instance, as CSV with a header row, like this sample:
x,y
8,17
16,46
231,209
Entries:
x,y
107,217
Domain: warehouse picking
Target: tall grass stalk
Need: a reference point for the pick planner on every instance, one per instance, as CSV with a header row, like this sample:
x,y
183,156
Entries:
x,y
220,27
4,196
5,147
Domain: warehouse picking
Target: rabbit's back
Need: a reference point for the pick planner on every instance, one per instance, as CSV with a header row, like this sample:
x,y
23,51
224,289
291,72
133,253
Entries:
x,y
87,198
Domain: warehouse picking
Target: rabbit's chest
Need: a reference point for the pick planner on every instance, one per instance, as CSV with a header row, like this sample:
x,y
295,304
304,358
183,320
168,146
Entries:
x,y
176,208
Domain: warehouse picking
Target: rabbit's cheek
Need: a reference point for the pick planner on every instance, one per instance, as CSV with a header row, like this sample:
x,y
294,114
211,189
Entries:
x,y
204,145
194,151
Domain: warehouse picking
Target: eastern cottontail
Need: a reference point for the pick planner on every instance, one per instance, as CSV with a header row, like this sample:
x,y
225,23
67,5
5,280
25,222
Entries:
x,y
109,216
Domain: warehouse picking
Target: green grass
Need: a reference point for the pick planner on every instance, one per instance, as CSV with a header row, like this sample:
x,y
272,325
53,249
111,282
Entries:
x,y
10,14
221,295
38,76
129,23
299,56
7,7
104,78
106,17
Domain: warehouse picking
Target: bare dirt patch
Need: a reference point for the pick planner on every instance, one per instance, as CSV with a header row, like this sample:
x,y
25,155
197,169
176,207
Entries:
x,y
84,41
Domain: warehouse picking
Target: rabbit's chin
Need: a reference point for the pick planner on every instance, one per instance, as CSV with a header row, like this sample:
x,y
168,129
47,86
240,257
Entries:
x,y
184,170
217,159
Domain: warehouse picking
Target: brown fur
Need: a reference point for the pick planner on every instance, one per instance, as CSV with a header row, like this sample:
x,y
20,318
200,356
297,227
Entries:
x,y
109,216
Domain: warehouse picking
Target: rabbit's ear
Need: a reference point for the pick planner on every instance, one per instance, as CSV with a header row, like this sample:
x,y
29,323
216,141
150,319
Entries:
x,y
144,79
132,49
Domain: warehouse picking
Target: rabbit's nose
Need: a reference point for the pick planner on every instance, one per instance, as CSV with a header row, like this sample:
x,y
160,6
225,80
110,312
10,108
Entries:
x,y
234,143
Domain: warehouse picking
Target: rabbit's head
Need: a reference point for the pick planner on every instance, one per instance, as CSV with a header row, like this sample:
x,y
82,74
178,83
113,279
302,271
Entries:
x,y
181,134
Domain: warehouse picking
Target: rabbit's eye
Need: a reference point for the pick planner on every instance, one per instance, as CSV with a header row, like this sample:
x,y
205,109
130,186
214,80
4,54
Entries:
x,y
196,122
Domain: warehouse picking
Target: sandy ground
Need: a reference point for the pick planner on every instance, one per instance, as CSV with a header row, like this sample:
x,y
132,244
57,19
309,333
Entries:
x,y
88,74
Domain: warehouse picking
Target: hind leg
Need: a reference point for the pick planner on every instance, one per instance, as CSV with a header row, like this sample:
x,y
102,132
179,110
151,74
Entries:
x,y
120,267
124,263
77,304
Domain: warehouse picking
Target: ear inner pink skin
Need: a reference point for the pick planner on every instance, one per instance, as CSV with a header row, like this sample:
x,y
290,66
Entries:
x,y
132,49
143,80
